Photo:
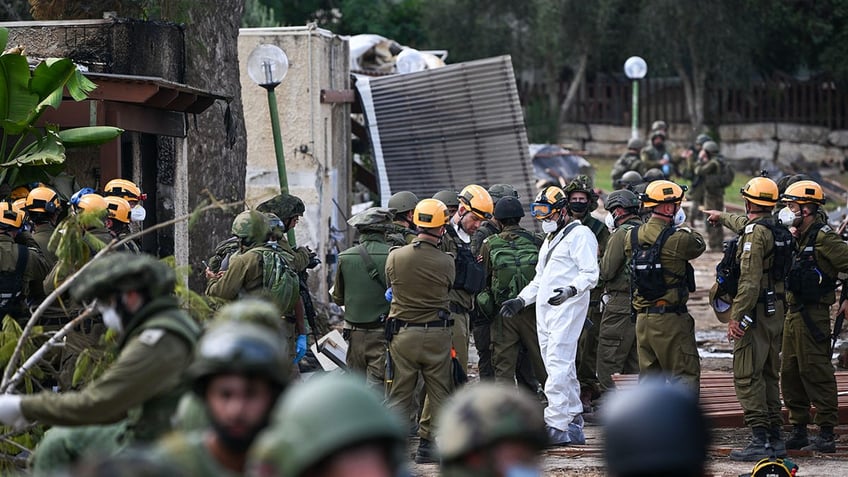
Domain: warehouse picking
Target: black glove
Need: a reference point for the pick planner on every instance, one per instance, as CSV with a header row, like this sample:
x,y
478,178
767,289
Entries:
x,y
314,261
512,307
562,294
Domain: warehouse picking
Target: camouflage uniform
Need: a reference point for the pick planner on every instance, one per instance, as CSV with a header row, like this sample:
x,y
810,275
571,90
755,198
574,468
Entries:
x,y
629,161
713,197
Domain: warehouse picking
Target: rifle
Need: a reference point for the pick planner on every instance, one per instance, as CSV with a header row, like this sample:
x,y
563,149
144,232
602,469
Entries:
x,y
308,306
389,330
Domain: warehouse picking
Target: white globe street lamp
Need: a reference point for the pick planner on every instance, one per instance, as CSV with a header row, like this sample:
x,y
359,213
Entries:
x,y
635,68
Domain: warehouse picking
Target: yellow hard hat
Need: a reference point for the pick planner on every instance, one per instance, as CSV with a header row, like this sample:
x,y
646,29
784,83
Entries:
x,y
10,218
804,192
19,192
119,209
42,199
548,201
123,188
477,200
19,204
92,203
430,214
721,304
760,191
662,192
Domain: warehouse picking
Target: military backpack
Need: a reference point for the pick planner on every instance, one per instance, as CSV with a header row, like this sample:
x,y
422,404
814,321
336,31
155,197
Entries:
x,y
728,269
513,264
646,270
805,280
726,173
279,281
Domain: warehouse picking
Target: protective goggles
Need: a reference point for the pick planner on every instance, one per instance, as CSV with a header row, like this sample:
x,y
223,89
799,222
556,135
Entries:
x,y
541,210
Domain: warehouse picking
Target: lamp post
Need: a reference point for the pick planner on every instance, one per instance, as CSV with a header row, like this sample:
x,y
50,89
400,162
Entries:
x,y
267,65
635,68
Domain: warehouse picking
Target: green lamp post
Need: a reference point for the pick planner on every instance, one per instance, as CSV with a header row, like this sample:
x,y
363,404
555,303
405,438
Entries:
x,y
635,68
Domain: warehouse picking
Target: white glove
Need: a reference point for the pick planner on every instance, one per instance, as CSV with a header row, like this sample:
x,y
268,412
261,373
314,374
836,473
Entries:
x,y
10,411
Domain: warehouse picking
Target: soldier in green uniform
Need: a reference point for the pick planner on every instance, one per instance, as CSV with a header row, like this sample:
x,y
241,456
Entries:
x,y
330,426
118,221
491,430
629,161
665,331
510,335
404,203
239,371
450,198
709,171
617,351
756,348
43,208
806,374
361,286
656,156
630,180
135,297
22,267
421,276
583,200
289,209
695,194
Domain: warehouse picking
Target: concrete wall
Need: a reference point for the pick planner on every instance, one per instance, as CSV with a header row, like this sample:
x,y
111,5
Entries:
x,y
315,136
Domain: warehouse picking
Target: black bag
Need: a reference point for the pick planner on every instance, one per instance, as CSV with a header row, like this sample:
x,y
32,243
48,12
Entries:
x,y
805,280
646,268
11,286
727,270
470,274
782,250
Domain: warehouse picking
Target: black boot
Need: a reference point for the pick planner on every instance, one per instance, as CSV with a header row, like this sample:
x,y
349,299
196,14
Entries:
x,y
756,449
824,442
775,438
798,438
426,453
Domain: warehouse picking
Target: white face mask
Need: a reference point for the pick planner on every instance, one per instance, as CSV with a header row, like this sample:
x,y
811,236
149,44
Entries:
x,y
550,226
679,217
786,216
111,318
609,220
138,214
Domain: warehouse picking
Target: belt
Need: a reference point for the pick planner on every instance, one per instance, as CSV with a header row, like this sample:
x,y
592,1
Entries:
x,y
678,309
365,326
454,308
797,308
429,324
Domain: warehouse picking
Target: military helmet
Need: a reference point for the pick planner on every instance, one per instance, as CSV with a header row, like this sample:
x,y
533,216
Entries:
x,y
804,192
285,206
335,412
250,310
721,304
372,216
702,139
659,125
548,201
658,133
10,219
251,226
635,143
653,174
403,201
75,198
239,347
123,271
449,197
789,179
621,198
42,199
631,178
654,429
509,208
430,214
499,191
19,192
581,183
662,192
92,203
123,188
118,209
711,147
484,414
477,200
275,225
760,191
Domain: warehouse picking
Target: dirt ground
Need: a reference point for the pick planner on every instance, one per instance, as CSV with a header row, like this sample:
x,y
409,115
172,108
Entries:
x,y
715,356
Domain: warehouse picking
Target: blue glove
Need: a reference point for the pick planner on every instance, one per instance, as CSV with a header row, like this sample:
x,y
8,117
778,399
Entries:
x,y
389,294
300,348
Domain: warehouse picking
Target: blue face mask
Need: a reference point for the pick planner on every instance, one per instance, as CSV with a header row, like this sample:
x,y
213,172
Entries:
x,y
519,470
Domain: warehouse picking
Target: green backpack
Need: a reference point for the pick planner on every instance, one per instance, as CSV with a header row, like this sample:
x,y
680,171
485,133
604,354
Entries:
x,y
513,264
279,281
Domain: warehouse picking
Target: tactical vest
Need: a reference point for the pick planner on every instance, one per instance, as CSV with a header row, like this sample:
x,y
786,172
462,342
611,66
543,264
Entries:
x,y
647,273
805,280
470,275
12,284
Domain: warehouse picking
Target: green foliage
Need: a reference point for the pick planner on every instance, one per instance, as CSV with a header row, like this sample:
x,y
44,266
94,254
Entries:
x,y
72,245
257,14
195,304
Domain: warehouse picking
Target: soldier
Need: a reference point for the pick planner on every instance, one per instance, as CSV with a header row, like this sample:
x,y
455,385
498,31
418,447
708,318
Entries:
x,y
665,331
289,209
130,192
617,351
404,203
499,254
806,374
711,169
239,371
360,286
43,208
762,253
567,270
450,198
491,430
629,180
420,275
629,161
581,200
137,395
118,221
696,190
655,155
260,269
330,426
22,267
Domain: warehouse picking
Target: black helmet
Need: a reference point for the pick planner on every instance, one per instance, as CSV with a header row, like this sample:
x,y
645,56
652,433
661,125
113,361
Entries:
x,y
653,175
621,198
508,208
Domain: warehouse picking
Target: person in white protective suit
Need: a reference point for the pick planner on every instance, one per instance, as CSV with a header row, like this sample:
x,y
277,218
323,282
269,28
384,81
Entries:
x,y
566,271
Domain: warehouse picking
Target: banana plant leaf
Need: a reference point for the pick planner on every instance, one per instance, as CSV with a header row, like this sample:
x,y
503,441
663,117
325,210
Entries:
x,y
88,136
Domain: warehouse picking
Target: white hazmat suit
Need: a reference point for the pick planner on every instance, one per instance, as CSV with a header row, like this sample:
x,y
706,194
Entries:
x,y
573,262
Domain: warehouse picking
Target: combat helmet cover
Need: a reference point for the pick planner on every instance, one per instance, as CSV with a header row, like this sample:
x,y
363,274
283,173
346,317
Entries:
x,y
285,206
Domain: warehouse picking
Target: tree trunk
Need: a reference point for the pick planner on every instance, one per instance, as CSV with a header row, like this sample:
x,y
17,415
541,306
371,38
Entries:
x,y
573,88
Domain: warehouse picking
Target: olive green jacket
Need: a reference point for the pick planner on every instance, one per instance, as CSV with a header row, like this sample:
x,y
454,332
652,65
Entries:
x,y
42,235
831,257
188,453
363,296
614,269
486,230
420,276
34,272
401,235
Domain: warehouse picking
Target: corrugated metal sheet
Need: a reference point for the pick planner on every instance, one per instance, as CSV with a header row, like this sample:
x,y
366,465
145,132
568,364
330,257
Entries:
x,y
447,128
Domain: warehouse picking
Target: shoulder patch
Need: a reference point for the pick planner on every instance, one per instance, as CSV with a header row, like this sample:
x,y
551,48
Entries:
x,y
746,247
826,228
749,228
151,337
685,229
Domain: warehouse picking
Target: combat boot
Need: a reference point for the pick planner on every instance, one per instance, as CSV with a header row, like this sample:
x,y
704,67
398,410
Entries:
x,y
824,442
798,438
756,449
775,438
426,453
